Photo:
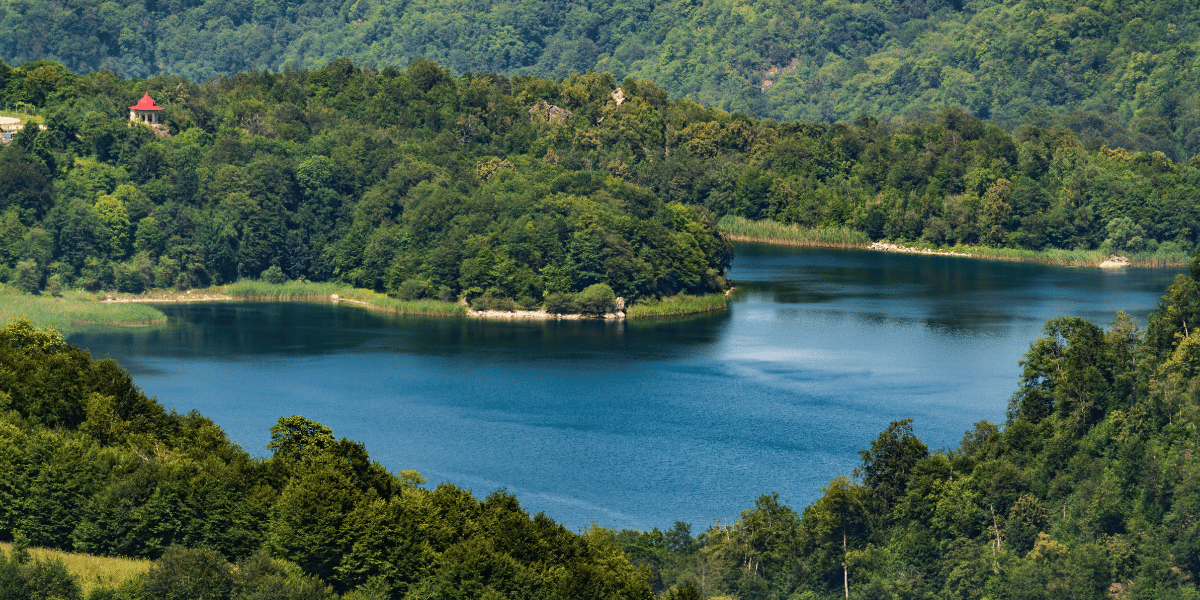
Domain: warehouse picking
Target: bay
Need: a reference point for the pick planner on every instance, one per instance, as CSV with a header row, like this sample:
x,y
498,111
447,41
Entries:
x,y
639,424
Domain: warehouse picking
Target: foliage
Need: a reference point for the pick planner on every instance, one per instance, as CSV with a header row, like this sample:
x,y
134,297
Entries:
x,y
1120,73
423,186
409,183
88,463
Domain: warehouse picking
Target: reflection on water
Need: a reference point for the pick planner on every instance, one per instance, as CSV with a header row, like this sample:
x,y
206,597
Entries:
x,y
639,424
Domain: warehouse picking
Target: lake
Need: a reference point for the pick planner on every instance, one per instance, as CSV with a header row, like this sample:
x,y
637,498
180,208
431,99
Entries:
x,y
639,424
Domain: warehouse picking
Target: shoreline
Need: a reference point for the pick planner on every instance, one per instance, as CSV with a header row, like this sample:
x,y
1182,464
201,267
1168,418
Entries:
x,y
1114,261
167,297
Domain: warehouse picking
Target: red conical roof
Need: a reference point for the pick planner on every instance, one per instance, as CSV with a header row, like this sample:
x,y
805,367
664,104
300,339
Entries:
x,y
146,103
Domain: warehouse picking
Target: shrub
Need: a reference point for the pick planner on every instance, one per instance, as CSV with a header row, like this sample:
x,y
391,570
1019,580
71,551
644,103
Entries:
x,y
559,304
597,299
186,574
493,301
28,278
413,289
273,275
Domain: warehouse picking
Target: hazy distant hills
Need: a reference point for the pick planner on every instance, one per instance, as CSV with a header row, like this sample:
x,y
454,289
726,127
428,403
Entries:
x,y
1121,72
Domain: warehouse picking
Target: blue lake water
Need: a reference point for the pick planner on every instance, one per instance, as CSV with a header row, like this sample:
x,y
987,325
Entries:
x,y
640,424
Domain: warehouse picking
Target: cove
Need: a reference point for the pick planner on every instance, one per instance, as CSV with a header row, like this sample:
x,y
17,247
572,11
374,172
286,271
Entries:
x,y
639,424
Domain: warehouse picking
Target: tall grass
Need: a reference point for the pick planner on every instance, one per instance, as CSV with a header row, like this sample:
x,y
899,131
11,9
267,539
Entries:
x,y
682,304
92,571
774,232
306,290
1072,258
247,289
74,310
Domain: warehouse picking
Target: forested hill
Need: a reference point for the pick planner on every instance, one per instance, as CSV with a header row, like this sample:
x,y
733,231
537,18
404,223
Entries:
x,y
1089,489
417,183
1122,72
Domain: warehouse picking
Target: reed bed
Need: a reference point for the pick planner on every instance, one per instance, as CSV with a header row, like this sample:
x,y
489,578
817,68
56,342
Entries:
x,y
92,571
74,310
671,306
774,232
248,289
1069,258
306,290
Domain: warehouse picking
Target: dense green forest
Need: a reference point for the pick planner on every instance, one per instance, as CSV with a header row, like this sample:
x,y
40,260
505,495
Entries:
x,y
88,462
1087,490
1118,72
420,184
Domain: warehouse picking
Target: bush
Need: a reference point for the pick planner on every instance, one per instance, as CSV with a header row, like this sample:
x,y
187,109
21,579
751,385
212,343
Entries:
x,y
597,299
493,301
187,574
560,304
129,279
28,278
273,275
413,289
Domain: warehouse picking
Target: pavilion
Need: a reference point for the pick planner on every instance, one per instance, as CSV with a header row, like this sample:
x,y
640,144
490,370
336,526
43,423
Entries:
x,y
145,111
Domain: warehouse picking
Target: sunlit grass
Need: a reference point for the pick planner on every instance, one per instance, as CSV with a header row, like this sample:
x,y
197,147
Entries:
x,y
774,232
670,306
92,571
74,310
304,290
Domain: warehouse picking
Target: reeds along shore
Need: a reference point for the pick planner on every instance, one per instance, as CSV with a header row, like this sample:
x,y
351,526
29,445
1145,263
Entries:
x,y
304,290
672,306
74,309
773,232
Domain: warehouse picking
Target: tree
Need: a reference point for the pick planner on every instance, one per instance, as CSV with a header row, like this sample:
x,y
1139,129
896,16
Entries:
x,y
596,299
296,438
889,462
190,574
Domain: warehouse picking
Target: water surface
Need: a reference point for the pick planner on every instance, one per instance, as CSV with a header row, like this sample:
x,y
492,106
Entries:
x,y
643,423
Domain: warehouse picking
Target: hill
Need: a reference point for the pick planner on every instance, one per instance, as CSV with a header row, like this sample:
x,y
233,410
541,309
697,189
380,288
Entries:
x,y
519,191
1120,73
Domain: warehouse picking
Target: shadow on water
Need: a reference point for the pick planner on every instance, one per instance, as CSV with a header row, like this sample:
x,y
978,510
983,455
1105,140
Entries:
x,y
953,295
231,330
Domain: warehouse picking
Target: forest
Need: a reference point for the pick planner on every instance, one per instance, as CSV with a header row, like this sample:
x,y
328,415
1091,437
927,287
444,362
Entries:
x,y
1117,72
1088,489
420,184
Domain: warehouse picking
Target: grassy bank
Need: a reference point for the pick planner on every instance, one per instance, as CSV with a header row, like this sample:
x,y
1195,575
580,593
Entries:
x,y
672,306
73,310
298,290
772,232
92,571
1072,258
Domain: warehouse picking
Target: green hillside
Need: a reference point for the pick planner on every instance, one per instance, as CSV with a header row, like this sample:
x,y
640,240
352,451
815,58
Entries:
x,y
1123,73
520,191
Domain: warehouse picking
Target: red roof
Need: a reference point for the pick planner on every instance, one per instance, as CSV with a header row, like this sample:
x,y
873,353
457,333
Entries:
x,y
146,103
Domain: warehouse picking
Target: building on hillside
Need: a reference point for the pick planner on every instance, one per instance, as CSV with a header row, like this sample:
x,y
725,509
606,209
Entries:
x,y
145,111
9,127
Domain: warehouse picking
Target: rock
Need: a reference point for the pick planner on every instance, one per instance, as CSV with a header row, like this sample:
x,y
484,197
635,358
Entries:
x,y
549,112
609,316
1114,262
618,96
619,303
333,297
619,314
